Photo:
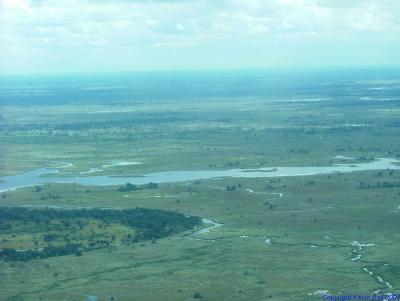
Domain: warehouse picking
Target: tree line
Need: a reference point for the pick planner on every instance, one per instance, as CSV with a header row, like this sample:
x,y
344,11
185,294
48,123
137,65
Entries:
x,y
149,224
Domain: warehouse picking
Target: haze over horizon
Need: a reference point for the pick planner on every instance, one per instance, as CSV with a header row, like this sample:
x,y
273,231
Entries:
x,y
41,36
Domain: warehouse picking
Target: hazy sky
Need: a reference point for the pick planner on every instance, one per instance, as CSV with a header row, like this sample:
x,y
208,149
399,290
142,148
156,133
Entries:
x,y
105,35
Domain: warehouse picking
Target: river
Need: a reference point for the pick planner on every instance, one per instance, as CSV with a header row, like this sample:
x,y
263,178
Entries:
x,y
45,176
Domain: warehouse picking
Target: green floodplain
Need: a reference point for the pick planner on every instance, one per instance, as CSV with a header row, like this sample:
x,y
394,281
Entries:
x,y
279,238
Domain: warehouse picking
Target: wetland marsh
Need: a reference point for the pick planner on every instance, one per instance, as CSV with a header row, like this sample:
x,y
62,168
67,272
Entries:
x,y
295,178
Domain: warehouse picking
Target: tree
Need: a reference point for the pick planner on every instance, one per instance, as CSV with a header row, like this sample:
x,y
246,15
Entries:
x,y
197,296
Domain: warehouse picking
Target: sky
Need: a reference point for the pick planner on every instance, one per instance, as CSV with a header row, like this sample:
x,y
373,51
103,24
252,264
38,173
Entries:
x,y
41,36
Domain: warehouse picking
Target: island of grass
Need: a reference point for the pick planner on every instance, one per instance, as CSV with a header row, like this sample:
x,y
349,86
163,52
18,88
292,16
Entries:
x,y
27,234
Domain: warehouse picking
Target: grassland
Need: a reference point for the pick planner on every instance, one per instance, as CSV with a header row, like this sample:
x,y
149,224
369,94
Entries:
x,y
272,246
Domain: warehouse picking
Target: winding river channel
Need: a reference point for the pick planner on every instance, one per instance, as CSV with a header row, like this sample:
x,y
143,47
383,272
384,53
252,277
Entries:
x,y
46,176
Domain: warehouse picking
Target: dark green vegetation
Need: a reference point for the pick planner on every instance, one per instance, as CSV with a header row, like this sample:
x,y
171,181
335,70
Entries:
x,y
132,187
289,238
53,232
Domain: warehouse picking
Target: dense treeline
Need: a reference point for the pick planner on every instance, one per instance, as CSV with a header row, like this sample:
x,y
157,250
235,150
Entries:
x,y
148,224
378,185
49,251
132,187
108,123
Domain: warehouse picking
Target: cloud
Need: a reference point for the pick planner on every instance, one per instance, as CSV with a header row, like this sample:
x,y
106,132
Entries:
x,y
58,27
17,5
195,18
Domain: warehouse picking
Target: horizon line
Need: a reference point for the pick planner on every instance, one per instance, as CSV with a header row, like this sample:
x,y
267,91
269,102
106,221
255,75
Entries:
x,y
217,69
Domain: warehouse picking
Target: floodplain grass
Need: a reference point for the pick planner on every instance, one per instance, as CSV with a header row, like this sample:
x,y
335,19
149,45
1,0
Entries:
x,y
269,247
310,234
